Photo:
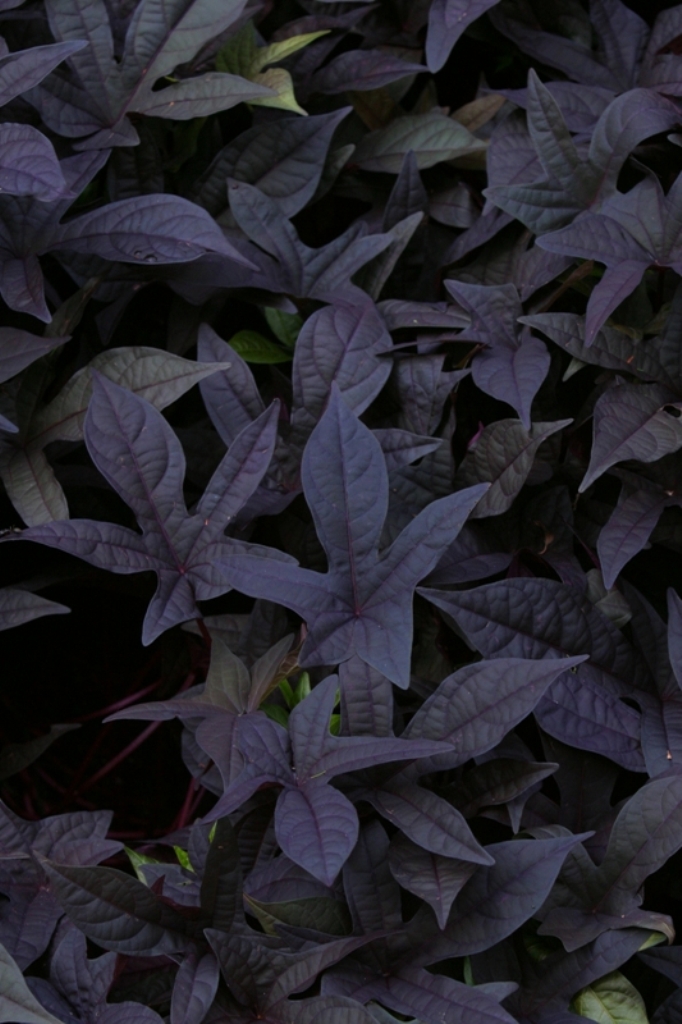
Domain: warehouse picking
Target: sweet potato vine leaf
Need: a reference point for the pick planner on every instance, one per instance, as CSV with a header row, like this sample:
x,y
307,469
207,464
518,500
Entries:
x,y
103,90
631,233
17,1002
151,229
447,21
574,183
136,451
29,479
315,824
363,604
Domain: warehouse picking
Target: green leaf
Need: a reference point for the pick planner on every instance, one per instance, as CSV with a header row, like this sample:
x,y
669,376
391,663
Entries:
x,y
433,137
137,860
302,688
254,348
287,693
277,52
281,83
276,713
285,326
242,56
183,858
611,1000
18,1005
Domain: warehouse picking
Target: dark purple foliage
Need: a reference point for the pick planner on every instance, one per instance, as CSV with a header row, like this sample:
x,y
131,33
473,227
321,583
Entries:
x,y
406,565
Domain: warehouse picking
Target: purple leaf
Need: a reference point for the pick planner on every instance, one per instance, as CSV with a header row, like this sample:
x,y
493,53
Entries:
x,y
284,159
573,184
110,87
646,833
422,389
21,70
632,232
475,707
363,69
622,34
340,344
562,975
542,619
432,137
17,1002
18,349
354,607
448,19
613,349
512,366
147,229
322,273
632,421
498,899
435,879
199,97
408,195
18,606
428,820
31,913
137,453
317,827
29,164
503,456
231,397
436,998
195,987
366,699
629,528
116,911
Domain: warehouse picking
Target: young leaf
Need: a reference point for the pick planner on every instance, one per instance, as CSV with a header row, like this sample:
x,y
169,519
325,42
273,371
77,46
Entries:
x,y
611,1000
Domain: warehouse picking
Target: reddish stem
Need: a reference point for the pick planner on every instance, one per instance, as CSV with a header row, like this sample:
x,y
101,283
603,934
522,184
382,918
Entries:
x,y
182,816
121,756
72,792
88,804
119,704
201,792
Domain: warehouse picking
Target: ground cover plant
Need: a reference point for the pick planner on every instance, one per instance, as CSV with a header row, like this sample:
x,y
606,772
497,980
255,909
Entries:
x,y
341,511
